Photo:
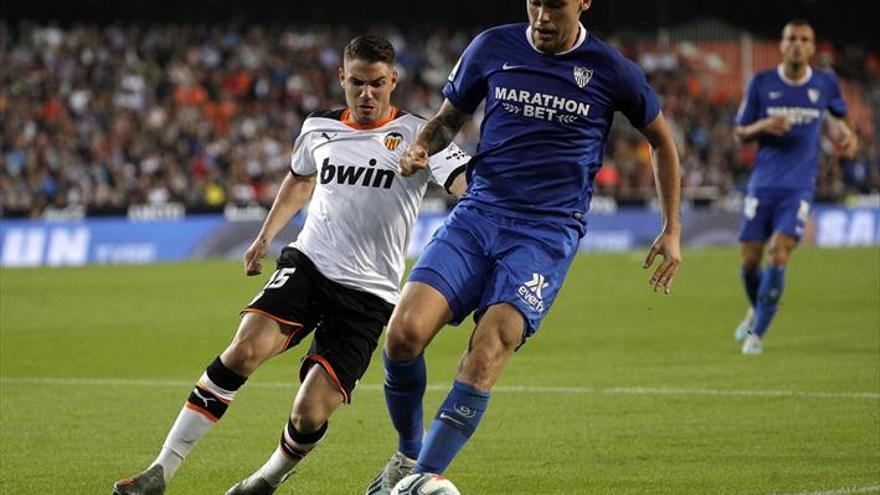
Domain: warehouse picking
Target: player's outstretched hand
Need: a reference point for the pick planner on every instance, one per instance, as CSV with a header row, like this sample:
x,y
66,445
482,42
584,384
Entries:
x,y
253,257
667,245
413,160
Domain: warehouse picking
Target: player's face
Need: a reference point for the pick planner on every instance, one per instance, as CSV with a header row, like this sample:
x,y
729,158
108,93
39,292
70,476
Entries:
x,y
798,44
555,23
368,87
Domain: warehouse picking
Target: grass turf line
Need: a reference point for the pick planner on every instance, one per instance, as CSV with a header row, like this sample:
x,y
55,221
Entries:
x,y
606,331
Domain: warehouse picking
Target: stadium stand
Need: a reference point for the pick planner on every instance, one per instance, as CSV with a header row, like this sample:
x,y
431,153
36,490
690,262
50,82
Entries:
x,y
104,117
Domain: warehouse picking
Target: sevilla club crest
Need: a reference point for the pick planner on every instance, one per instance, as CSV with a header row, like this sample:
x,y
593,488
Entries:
x,y
582,76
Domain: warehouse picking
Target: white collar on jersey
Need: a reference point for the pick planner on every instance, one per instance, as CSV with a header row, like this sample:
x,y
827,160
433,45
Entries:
x,y
780,69
582,35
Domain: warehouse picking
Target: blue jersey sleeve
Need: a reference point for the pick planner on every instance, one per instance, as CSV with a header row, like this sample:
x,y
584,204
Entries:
x,y
467,85
836,103
636,99
748,109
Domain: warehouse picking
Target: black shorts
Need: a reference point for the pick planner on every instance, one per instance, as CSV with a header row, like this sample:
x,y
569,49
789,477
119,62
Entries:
x,y
347,322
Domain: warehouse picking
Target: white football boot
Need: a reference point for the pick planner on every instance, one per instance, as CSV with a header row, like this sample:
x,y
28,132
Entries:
x,y
745,326
752,344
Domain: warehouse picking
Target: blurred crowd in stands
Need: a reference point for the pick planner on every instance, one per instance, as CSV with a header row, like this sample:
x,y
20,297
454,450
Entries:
x,y
110,116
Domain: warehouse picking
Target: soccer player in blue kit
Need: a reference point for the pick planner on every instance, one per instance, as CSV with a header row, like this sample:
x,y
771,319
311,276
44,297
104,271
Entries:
x,y
551,90
783,111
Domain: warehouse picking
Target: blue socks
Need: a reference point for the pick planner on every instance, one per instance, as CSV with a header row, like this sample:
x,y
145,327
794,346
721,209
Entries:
x,y
751,281
404,388
769,293
455,423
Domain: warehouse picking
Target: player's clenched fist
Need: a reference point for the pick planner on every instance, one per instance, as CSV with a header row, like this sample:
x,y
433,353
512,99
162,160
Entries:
x,y
413,160
253,257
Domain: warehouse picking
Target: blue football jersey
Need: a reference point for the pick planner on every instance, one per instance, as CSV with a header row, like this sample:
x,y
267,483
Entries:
x,y
790,161
546,121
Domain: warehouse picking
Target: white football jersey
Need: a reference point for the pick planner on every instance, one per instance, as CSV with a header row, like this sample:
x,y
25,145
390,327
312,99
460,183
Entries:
x,y
362,211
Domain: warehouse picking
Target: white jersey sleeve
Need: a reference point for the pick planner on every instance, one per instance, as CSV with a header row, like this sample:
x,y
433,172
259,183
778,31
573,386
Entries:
x,y
302,161
447,164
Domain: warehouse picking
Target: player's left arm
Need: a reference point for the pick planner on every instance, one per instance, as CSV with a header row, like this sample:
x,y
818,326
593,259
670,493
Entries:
x,y
840,131
842,135
667,177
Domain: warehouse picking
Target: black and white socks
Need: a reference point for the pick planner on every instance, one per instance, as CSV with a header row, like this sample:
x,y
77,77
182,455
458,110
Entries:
x,y
205,406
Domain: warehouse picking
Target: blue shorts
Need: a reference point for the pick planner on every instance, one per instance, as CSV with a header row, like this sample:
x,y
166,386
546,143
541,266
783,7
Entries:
x,y
775,210
477,259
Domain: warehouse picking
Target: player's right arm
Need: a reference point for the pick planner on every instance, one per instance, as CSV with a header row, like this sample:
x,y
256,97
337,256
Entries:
x,y
437,134
748,126
295,190
775,126
291,197
464,91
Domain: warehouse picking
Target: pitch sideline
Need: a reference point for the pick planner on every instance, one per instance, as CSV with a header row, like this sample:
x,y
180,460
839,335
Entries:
x,y
840,491
514,389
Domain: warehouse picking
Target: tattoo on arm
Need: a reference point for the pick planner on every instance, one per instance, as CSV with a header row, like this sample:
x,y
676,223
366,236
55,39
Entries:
x,y
442,129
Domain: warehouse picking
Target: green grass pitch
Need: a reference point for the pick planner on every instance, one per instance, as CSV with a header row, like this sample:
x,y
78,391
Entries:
x,y
621,392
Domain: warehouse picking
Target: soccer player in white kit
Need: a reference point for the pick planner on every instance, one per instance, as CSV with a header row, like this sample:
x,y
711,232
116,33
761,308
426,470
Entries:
x,y
339,279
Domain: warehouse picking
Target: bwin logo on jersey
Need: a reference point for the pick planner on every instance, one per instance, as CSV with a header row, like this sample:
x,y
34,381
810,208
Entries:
x,y
352,175
530,292
582,76
393,140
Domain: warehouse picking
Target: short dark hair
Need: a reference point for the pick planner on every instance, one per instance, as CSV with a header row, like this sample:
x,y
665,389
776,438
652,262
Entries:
x,y
798,22
370,48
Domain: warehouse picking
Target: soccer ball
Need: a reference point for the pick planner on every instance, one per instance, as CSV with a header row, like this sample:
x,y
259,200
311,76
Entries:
x,y
425,484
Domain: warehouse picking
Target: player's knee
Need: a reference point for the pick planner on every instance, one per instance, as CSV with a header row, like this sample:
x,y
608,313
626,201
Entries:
x,y
779,255
405,339
751,262
256,341
751,259
402,346
780,259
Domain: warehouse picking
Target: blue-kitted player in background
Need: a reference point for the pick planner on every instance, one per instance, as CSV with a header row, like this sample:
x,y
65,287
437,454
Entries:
x,y
551,90
783,111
